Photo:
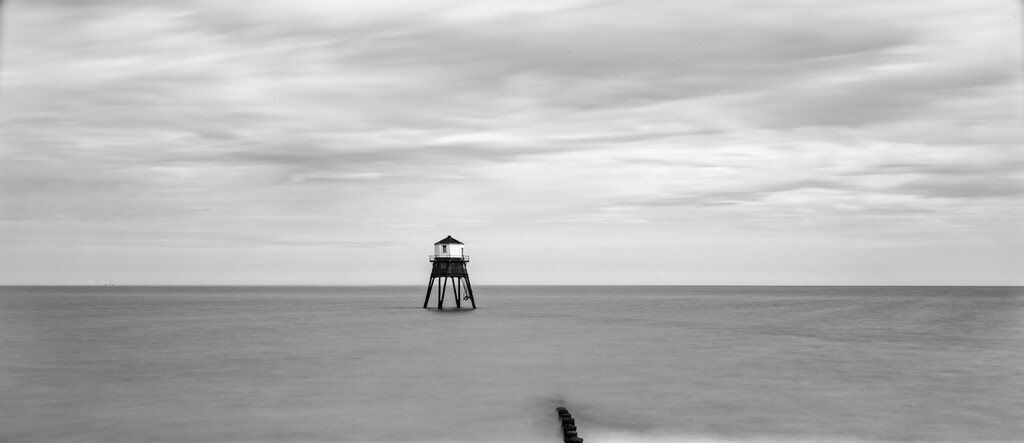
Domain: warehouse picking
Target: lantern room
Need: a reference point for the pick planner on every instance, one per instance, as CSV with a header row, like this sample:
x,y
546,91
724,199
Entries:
x,y
449,248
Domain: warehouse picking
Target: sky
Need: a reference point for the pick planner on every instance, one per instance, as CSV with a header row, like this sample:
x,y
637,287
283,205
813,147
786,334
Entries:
x,y
848,142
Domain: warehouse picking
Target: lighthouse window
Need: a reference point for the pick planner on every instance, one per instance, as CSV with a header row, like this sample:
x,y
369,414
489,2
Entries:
x,y
444,248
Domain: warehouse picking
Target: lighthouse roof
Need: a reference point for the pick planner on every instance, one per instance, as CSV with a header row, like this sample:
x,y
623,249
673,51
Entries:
x,y
448,240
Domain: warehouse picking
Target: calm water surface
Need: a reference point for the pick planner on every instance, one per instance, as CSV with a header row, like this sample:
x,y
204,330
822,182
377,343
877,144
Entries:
x,y
301,364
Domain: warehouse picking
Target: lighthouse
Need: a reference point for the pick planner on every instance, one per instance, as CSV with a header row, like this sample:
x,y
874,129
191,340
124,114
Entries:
x,y
449,263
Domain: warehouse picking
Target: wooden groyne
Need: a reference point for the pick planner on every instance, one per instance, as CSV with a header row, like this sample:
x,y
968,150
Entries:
x,y
569,432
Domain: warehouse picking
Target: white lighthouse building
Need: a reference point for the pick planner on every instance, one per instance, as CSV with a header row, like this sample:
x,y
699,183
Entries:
x,y
449,248
449,264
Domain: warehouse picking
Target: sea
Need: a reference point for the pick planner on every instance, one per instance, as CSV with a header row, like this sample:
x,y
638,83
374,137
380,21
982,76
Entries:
x,y
652,364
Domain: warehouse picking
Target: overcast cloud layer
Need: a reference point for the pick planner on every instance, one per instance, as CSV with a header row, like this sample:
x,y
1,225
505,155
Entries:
x,y
323,142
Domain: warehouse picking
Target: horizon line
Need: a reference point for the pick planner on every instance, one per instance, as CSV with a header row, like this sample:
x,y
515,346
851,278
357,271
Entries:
x,y
142,285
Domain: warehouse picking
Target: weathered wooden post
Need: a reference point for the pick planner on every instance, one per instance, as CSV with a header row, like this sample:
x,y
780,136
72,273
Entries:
x,y
569,432
450,264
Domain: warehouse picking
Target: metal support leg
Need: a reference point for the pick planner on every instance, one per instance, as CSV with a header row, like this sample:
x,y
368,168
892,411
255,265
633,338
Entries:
x,y
440,300
469,288
430,285
456,281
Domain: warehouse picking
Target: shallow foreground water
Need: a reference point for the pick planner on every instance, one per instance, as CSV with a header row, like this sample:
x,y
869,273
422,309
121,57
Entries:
x,y
324,364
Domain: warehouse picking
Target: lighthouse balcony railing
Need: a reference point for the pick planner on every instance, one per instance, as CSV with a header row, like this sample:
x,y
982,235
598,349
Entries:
x,y
449,257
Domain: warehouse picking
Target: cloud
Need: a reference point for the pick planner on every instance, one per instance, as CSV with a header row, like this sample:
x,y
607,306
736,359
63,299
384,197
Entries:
x,y
965,188
377,121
